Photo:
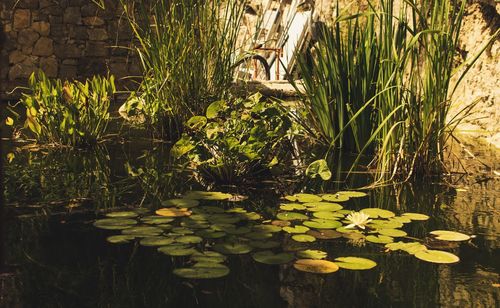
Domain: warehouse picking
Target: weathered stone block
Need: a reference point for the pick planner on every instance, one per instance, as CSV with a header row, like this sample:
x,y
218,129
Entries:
x,y
79,33
27,37
45,3
72,15
49,66
98,34
42,27
43,47
90,9
27,4
55,20
62,50
96,49
57,30
93,21
17,57
22,19
53,10
68,71
23,70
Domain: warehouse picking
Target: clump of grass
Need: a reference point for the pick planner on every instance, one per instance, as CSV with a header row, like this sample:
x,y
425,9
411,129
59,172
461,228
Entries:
x,y
187,50
379,84
66,113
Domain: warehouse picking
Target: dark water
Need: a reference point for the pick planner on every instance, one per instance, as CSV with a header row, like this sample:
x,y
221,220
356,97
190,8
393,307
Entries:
x,y
58,259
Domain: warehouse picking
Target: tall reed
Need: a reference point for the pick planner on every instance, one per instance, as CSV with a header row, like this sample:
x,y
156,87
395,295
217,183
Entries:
x,y
378,83
187,50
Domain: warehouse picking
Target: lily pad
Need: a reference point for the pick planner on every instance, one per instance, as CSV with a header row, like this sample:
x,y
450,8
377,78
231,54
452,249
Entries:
x,y
281,223
193,224
296,229
415,216
232,229
451,236
156,220
120,239
177,250
207,195
379,239
115,223
224,218
304,198
122,214
186,203
173,212
437,256
269,257
311,254
385,224
232,248
352,193
376,212
400,219
258,235
392,232
303,238
411,247
265,244
157,241
323,223
208,209
291,216
202,272
267,228
323,206
355,263
208,256
324,234
292,206
211,234
345,230
182,231
335,197
316,266
143,231
327,215
189,239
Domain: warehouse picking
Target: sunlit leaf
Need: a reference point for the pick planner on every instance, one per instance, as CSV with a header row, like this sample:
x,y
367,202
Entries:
x,y
437,256
355,263
269,257
316,266
319,167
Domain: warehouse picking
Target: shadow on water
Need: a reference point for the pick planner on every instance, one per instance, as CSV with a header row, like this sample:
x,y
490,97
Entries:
x,y
53,196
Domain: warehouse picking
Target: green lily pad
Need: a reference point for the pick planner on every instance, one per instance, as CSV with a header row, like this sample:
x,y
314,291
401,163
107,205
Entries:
x,y
114,223
192,224
281,223
355,263
186,203
311,254
251,216
267,228
164,226
177,250
207,195
392,232
292,207
232,248
304,198
296,229
122,214
143,231
328,215
120,239
415,216
182,231
173,212
208,209
316,266
258,235
451,236
317,223
376,213
379,239
223,218
324,234
157,241
265,244
156,220
437,256
344,230
303,238
291,216
269,257
232,229
208,256
323,206
210,234
352,193
385,224
202,272
189,239
400,219
411,247
335,197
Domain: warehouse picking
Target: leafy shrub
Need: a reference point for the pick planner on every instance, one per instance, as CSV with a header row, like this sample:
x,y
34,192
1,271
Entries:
x,y
233,141
69,113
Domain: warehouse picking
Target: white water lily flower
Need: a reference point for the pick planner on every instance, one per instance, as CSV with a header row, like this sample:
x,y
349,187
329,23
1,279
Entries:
x,y
358,219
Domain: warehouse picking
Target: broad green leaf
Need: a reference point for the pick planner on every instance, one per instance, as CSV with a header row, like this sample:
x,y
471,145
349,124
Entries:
x,y
376,213
291,216
269,257
316,266
437,256
196,123
355,263
452,236
392,232
415,216
215,108
317,223
296,229
303,238
319,167
202,272
379,239
311,254
187,203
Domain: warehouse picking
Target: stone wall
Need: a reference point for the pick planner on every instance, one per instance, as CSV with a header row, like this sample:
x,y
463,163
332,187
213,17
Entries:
x,y
65,38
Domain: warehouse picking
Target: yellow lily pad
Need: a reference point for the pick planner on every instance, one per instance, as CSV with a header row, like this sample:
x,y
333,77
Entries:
x,y
355,263
437,256
316,266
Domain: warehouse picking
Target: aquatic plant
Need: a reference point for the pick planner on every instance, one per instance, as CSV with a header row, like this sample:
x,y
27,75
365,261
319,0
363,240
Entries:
x,y
358,219
236,140
66,113
379,82
187,50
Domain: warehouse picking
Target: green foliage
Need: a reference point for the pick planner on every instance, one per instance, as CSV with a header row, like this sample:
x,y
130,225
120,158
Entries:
x,y
187,50
69,113
378,82
235,140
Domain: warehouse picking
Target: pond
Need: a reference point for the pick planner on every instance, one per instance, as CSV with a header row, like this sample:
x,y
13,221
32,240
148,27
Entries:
x,y
58,258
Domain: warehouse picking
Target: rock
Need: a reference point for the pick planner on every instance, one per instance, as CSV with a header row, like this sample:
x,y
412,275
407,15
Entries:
x,y
22,19
49,66
72,15
43,47
67,71
93,21
17,57
96,49
42,27
98,34
27,4
22,70
27,37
